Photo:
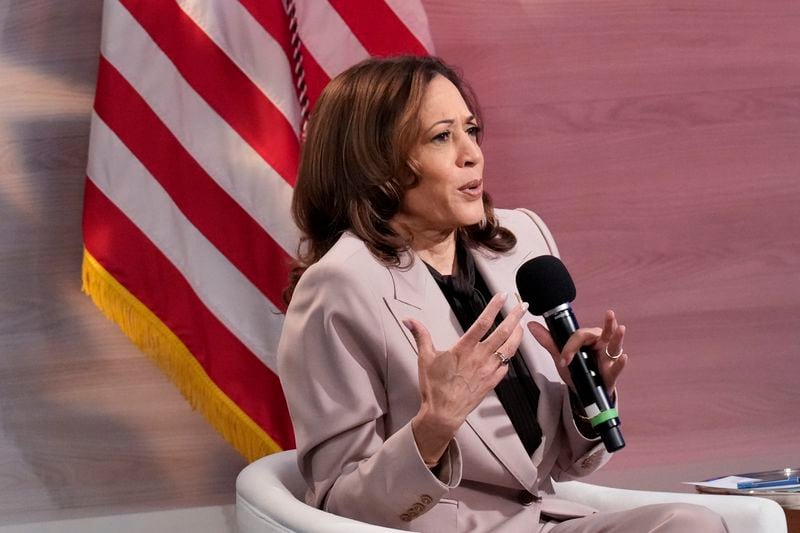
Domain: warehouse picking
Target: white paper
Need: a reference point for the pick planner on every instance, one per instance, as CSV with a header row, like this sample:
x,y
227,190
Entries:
x,y
727,482
732,482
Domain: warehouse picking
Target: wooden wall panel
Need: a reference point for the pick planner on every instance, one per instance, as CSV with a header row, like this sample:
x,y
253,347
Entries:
x,y
658,139
661,143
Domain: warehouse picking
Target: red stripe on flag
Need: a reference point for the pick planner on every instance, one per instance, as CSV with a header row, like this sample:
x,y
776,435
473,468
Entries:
x,y
218,216
271,15
378,28
220,82
135,262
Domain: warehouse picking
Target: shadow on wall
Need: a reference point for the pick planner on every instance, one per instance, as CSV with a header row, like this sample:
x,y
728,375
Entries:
x,y
58,389
53,37
73,434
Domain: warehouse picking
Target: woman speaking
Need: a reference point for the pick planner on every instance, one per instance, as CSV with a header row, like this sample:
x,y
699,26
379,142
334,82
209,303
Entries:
x,y
424,396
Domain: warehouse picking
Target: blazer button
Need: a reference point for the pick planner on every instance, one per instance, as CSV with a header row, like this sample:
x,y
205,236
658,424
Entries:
x,y
526,498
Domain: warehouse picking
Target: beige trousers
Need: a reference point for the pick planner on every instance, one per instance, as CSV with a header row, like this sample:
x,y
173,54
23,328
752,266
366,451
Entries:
x,y
659,518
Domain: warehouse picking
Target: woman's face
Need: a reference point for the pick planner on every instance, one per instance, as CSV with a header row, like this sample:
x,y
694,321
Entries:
x,y
449,162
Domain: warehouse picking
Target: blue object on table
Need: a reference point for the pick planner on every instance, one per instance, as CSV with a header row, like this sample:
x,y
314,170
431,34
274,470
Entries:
x,y
768,484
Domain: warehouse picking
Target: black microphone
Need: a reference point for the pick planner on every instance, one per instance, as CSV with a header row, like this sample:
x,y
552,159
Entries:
x,y
546,285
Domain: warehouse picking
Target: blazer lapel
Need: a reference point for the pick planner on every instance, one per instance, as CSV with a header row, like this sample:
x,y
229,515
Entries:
x,y
418,296
490,420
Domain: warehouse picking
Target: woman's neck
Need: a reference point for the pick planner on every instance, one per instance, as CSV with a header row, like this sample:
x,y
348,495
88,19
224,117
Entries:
x,y
435,247
440,254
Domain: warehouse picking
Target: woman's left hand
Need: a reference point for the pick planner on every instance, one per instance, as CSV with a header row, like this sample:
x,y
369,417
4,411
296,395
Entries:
x,y
606,344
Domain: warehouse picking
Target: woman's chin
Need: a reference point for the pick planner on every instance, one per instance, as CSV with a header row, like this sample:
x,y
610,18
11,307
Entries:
x,y
472,220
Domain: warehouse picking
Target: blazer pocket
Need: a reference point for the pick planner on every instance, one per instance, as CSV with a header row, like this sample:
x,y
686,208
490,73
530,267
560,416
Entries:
x,y
559,509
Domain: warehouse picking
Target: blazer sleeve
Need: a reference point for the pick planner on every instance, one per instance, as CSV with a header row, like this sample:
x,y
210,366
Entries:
x,y
578,456
332,365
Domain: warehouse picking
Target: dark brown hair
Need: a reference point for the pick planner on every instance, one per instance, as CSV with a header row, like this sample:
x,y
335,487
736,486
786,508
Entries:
x,y
355,168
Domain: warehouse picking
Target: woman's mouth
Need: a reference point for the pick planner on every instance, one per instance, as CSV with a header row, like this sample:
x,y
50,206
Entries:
x,y
474,188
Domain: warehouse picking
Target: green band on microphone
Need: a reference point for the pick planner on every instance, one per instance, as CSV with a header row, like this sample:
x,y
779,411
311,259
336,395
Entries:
x,y
604,416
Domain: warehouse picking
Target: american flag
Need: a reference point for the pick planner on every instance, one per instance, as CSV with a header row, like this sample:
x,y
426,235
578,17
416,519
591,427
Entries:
x,y
193,152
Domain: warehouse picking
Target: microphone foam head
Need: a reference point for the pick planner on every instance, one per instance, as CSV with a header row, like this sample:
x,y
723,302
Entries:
x,y
545,284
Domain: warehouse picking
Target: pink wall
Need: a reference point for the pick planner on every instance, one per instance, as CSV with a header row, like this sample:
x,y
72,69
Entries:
x,y
658,139
661,143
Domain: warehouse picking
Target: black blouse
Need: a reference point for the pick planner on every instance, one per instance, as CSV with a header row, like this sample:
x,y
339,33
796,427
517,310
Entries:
x,y
467,294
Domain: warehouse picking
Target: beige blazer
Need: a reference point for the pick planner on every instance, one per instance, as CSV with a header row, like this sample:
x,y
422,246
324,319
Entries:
x,y
349,371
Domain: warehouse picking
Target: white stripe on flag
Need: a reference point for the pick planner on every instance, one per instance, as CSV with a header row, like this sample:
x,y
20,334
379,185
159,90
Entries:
x,y
251,48
412,14
219,149
327,37
222,288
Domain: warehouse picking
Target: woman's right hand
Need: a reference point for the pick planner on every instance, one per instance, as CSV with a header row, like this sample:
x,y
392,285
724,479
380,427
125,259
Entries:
x,y
453,382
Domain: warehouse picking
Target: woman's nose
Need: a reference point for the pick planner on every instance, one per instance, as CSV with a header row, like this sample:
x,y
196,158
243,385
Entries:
x,y
469,152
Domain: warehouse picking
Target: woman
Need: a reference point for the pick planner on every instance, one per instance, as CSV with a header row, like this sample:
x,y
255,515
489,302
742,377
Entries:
x,y
419,400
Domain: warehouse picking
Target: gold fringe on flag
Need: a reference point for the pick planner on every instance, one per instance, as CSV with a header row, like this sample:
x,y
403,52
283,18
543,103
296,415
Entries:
x,y
155,339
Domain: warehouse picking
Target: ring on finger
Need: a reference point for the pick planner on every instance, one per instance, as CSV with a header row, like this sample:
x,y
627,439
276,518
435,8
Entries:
x,y
503,358
614,357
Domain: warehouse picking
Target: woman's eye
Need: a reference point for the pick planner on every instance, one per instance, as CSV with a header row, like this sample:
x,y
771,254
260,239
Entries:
x,y
474,131
445,135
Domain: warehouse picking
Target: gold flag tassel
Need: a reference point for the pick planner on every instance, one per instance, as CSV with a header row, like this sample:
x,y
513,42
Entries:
x,y
155,339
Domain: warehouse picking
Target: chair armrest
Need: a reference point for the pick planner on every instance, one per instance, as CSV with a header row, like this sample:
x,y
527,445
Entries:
x,y
269,497
743,514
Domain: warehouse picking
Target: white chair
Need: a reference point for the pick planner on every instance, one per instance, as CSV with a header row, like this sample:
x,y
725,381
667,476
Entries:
x,y
269,497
